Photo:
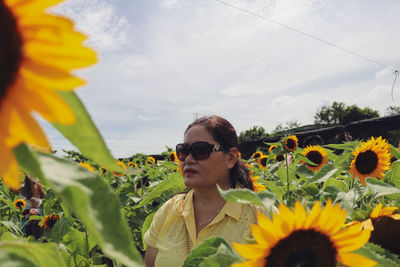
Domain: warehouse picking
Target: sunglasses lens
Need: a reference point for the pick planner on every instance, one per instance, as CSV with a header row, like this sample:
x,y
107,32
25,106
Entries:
x,y
201,151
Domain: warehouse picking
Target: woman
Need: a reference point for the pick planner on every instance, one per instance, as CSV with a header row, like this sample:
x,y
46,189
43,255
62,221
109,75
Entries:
x,y
209,157
33,193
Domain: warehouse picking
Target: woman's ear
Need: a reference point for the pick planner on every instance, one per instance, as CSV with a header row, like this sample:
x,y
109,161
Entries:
x,y
232,157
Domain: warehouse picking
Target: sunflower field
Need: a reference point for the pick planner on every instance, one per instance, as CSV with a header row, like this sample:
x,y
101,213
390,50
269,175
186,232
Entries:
x,y
335,205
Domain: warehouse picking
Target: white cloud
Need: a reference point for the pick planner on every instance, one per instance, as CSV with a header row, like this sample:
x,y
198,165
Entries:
x,y
106,29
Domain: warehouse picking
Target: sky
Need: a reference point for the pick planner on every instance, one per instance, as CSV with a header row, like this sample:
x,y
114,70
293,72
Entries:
x,y
163,63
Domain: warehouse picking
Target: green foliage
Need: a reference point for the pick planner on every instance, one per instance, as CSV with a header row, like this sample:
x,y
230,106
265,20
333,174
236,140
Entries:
x,y
339,113
212,252
254,133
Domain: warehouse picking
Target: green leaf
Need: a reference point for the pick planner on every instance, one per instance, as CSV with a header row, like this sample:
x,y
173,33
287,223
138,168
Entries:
x,y
339,184
395,152
212,252
174,182
92,200
345,146
12,259
244,196
396,173
383,257
146,226
61,228
41,254
324,173
380,188
84,134
28,161
305,159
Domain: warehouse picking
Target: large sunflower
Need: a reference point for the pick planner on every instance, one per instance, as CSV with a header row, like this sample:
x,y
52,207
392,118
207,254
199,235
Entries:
x,y
291,143
38,51
385,228
316,154
371,159
295,239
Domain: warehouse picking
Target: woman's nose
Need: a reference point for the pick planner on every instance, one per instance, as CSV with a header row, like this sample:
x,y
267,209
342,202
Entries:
x,y
189,158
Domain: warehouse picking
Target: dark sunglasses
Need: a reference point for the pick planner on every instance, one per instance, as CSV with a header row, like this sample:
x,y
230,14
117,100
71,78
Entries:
x,y
199,150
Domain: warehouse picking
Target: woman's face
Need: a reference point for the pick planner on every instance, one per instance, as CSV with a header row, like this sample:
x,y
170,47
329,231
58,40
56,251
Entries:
x,y
205,173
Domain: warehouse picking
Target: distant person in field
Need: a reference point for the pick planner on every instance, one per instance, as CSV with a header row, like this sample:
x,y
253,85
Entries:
x,y
34,194
209,157
313,140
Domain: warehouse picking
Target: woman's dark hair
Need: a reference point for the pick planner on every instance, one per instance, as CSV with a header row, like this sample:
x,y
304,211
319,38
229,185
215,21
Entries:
x,y
223,132
28,187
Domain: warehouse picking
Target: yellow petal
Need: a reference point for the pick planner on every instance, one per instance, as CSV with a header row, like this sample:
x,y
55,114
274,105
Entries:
x,y
252,263
353,242
351,259
29,7
314,215
375,213
250,251
9,167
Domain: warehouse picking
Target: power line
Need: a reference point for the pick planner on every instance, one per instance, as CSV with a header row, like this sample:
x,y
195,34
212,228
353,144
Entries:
x,y
307,34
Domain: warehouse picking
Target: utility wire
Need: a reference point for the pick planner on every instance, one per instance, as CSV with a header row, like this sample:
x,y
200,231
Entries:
x,y
307,34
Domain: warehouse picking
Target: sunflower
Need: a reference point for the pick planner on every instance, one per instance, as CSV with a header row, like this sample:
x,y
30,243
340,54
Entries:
x,y
256,155
295,239
385,228
38,52
272,147
19,203
291,143
151,160
256,186
262,161
49,220
316,154
87,165
371,159
173,157
239,155
123,166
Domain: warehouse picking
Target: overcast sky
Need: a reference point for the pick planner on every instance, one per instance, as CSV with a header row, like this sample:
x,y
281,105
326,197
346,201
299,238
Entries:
x,y
164,62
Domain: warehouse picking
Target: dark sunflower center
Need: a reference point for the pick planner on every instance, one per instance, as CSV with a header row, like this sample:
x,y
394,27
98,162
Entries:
x,y
264,162
366,162
51,221
386,233
172,157
280,157
20,204
257,155
303,248
315,157
290,144
10,49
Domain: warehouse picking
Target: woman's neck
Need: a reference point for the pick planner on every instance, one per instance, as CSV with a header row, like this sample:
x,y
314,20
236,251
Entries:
x,y
207,197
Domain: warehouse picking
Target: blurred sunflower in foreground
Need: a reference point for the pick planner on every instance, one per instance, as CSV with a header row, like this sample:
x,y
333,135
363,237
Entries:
x,y
38,51
295,239
371,159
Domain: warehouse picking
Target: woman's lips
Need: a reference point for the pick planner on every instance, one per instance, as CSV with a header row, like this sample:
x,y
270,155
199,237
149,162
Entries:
x,y
190,172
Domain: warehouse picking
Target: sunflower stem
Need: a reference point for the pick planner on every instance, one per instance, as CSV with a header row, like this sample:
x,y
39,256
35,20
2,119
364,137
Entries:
x,y
287,179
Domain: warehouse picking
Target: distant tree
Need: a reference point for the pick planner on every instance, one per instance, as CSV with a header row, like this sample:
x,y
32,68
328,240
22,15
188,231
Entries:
x,y
339,113
254,133
282,128
392,110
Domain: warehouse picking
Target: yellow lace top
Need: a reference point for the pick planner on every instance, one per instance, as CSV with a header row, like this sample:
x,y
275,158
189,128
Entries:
x,y
174,226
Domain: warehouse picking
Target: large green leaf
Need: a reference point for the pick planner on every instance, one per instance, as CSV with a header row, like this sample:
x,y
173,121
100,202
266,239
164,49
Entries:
x,y
84,134
244,196
324,173
380,188
339,184
396,173
91,199
40,254
383,257
212,252
146,226
173,182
